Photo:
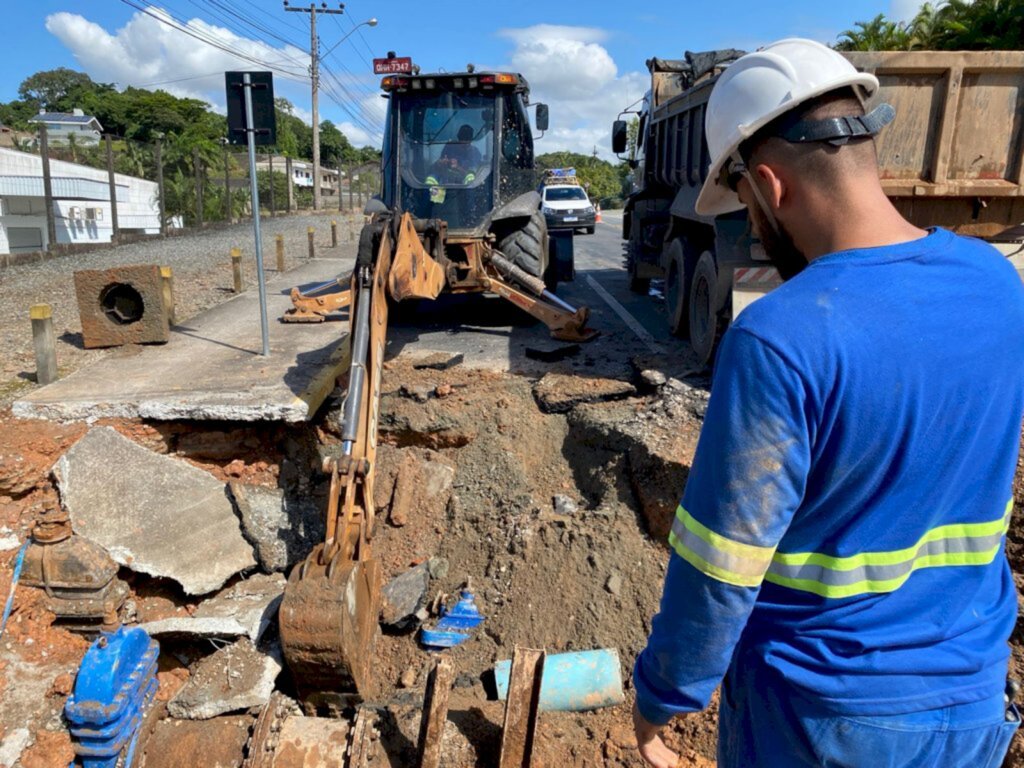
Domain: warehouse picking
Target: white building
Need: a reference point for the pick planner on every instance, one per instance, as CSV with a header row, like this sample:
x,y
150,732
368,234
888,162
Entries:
x,y
62,126
81,203
302,174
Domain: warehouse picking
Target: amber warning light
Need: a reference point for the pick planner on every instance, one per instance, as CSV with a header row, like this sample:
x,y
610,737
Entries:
x,y
399,65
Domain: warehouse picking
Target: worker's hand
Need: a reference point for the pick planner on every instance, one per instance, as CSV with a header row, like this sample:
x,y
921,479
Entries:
x,y
648,741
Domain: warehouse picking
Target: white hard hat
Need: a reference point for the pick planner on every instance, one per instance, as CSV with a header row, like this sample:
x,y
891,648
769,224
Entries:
x,y
756,89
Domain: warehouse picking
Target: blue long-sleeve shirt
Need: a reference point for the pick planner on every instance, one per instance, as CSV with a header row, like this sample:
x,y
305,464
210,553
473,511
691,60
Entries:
x,y
843,522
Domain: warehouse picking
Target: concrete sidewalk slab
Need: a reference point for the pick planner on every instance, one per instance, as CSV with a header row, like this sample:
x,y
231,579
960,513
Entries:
x,y
211,367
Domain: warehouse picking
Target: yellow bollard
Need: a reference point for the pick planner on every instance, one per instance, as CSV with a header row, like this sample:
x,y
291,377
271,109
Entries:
x,y
280,253
236,269
334,234
45,341
312,249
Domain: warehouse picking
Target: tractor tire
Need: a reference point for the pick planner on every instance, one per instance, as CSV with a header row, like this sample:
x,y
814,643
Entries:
x,y
527,247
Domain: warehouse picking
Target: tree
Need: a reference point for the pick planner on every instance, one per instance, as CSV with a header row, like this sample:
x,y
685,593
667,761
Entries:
x,y
950,25
599,177
54,87
335,148
879,34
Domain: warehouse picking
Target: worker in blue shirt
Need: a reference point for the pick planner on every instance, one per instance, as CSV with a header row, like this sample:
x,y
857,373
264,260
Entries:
x,y
838,553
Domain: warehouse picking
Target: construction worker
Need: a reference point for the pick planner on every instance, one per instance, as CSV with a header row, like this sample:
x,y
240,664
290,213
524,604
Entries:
x,y
838,553
458,164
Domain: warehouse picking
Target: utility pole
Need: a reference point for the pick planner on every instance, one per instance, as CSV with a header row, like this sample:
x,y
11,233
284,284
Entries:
x,y
314,73
51,222
199,187
115,229
158,160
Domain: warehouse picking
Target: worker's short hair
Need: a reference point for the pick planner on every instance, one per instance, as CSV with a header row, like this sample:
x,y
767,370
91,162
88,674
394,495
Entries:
x,y
465,132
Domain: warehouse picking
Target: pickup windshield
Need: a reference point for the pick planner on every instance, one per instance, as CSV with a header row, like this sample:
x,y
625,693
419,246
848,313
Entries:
x,y
558,194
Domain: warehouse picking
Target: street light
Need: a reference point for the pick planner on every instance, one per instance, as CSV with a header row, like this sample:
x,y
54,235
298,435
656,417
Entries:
x,y
367,23
315,76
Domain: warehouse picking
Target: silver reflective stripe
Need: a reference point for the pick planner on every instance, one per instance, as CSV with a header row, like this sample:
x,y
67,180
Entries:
x,y
726,561
879,573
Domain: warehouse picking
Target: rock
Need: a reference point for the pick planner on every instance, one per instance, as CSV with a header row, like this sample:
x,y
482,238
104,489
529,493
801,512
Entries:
x,y
425,483
443,390
281,529
653,378
408,678
8,540
419,392
437,567
154,514
565,505
13,745
63,684
404,595
245,609
560,393
236,677
439,361
614,583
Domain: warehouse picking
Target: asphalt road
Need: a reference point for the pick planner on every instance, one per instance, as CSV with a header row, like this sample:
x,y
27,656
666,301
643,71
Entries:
x,y
492,334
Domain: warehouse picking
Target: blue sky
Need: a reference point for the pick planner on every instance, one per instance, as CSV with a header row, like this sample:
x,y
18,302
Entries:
x,y
586,60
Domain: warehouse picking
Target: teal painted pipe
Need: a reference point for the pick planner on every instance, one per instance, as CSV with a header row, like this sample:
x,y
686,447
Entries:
x,y
574,682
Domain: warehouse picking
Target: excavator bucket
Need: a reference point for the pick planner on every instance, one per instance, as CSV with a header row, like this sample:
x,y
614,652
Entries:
x,y
414,274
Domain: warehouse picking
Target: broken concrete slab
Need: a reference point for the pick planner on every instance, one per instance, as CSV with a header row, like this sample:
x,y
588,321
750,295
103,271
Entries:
x,y
211,367
236,677
423,481
154,514
560,393
245,609
405,596
281,529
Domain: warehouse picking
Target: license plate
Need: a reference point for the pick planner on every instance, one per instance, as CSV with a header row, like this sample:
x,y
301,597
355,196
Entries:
x,y
572,218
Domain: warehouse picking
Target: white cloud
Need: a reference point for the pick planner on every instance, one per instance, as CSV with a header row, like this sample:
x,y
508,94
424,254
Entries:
x,y
571,71
904,10
149,53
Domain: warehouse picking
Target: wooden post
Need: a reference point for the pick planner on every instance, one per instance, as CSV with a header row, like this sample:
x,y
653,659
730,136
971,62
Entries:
x,y
158,159
280,253
312,249
334,234
167,285
45,341
351,205
435,712
341,198
236,269
51,221
521,708
115,229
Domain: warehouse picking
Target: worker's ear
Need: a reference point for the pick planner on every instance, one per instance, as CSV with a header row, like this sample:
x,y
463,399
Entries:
x,y
773,185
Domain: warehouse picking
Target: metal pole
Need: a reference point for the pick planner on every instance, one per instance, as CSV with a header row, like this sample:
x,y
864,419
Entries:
x,y
351,205
51,222
160,184
116,230
260,277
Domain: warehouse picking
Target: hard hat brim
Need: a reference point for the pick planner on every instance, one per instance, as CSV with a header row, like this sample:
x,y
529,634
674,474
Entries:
x,y
716,199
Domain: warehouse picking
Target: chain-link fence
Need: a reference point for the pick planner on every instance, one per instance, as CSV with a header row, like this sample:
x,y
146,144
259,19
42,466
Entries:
x,y
101,188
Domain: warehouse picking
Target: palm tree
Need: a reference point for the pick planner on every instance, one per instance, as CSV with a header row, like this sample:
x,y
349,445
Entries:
x,y
879,34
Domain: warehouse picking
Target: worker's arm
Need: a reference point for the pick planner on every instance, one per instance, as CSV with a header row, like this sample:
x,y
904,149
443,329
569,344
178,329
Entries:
x,y
747,479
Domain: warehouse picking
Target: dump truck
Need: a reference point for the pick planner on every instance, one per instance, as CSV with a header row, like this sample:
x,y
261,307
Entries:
x,y
952,158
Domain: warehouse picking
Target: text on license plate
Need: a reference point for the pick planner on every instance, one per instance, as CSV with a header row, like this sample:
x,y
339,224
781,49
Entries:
x,y
572,218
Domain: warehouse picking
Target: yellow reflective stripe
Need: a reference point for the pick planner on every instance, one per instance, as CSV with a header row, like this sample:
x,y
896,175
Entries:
x,y
720,542
895,557
715,555
869,586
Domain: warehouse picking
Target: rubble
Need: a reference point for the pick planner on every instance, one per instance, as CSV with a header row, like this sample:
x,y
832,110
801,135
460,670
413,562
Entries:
x,y
614,583
245,609
560,393
405,598
154,514
281,529
8,540
425,482
13,745
564,505
221,742
439,361
236,677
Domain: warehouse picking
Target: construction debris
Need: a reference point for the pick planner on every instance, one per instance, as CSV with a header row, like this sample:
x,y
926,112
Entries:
x,y
521,708
421,481
564,505
124,305
405,598
236,677
282,529
153,514
435,712
560,393
216,743
245,609
573,682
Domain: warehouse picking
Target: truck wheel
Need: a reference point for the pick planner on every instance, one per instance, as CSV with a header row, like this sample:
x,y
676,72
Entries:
x,y
704,325
676,293
527,247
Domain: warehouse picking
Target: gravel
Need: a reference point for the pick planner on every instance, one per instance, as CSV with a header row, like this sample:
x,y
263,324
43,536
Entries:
x,y
202,279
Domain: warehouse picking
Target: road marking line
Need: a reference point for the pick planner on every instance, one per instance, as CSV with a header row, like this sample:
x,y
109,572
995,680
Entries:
x,y
634,325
